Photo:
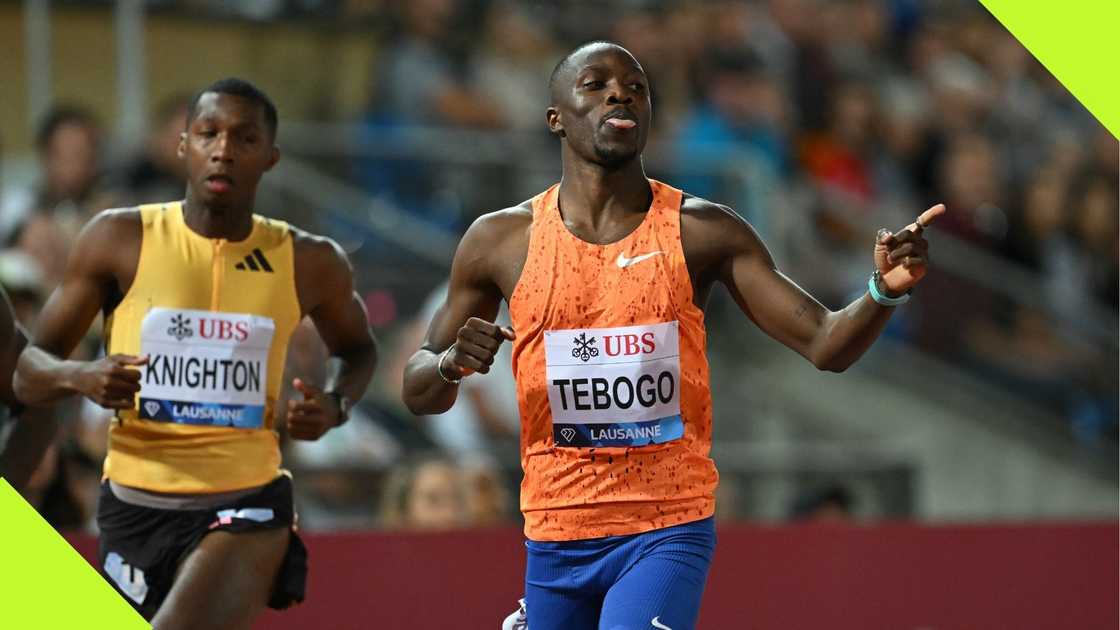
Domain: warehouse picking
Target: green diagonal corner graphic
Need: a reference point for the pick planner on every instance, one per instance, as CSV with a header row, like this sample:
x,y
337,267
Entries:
x,y
1077,41
45,584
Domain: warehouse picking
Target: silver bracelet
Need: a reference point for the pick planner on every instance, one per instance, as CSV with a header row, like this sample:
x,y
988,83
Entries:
x,y
439,367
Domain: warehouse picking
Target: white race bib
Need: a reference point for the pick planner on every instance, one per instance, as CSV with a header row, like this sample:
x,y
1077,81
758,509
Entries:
x,y
204,367
614,386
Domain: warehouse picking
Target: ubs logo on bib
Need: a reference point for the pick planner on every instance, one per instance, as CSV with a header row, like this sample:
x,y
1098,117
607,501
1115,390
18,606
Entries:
x,y
180,327
584,350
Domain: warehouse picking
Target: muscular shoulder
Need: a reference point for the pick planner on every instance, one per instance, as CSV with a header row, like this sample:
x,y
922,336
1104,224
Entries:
x,y
109,242
496,235
318,256
323,271
316,249
714,237
494,248
116,223
714,231
498,227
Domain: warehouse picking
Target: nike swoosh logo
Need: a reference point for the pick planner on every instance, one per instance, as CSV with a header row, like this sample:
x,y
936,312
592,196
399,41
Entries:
x,y
624,262
656,621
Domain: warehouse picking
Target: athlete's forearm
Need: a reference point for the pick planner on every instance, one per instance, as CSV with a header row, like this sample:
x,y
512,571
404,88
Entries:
x,y
40,377
424,391
847,334
349,372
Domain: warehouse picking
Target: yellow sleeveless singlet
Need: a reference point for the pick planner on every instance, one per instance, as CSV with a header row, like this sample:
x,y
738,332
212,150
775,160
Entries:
x,y
214,317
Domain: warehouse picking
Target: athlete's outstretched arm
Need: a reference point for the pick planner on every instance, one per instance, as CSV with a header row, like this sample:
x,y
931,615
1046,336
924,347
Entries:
x,y
462,325
103,248
325,283
830,340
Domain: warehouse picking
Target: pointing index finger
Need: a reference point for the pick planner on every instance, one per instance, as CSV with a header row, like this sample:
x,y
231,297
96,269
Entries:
x,y
926,218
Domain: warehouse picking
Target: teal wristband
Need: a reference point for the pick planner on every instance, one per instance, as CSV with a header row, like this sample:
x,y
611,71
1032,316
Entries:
x,y
873,289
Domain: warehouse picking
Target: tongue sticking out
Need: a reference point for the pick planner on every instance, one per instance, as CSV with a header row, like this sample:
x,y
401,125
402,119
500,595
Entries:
x,y
621,123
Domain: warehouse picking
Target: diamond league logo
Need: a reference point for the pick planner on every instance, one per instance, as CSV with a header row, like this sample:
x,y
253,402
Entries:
x,y
180,327
568,433
584,350
152,407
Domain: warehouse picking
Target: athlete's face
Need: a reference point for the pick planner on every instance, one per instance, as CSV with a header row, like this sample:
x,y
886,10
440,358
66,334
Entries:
x,y
227,148
601,105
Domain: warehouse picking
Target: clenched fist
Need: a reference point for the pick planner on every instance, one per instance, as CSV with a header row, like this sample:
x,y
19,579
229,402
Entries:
x,y
475,345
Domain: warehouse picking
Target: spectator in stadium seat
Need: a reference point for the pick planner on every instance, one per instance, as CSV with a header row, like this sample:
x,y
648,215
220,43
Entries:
x,y
68,193
743,108
486,495
423,493
514,52
157,173
833,503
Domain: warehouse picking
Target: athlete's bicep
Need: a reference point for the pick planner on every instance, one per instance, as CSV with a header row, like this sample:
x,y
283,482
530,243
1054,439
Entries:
x,y
471,291
768,297
340,315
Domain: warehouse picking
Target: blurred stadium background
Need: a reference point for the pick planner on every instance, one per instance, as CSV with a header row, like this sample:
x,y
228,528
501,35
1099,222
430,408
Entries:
x,y
986,417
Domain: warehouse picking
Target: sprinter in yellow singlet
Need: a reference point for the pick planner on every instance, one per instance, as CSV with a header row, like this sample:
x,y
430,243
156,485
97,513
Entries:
x,y
200,298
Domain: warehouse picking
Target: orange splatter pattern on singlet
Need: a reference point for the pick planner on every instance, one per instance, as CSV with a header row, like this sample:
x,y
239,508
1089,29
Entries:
x,y
608,338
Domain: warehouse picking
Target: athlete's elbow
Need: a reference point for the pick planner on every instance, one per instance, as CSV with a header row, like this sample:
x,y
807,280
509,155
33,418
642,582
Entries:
x,y
834,367
23,390
829,362
422,405
418,397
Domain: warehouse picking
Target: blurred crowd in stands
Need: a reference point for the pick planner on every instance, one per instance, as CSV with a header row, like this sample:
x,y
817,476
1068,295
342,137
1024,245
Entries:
x,y
861,113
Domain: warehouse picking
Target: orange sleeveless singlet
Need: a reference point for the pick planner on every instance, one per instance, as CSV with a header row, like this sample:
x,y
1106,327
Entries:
x,y
612,379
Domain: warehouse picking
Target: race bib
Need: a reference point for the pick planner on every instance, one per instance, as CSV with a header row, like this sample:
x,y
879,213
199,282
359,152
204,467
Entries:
x,y
205,368
614,386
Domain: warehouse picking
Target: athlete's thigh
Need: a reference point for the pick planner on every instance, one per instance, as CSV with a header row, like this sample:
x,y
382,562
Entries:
x,y
548,609
560,588
224,583
662,590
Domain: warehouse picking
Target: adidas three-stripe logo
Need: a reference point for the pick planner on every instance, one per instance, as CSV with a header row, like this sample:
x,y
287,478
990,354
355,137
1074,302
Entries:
x,y
254,262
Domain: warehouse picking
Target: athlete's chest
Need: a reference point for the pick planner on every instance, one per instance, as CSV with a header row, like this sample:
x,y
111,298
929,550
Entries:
x,y
215,275
640,279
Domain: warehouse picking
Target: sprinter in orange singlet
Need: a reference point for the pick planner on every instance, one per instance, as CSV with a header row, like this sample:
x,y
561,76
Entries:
x,y
607,274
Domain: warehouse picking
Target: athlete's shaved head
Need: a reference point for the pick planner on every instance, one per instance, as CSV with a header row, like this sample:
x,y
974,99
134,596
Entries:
x,y
565,65
600,104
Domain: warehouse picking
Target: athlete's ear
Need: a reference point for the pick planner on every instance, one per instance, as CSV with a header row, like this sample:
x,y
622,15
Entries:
x,y
552,117
274,158
181,150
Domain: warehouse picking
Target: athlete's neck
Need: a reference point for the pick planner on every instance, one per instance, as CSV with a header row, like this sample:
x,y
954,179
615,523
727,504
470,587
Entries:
x,y
594,195
217,221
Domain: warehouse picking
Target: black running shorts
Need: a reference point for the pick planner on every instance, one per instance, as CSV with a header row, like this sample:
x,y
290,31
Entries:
x,y
141,548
